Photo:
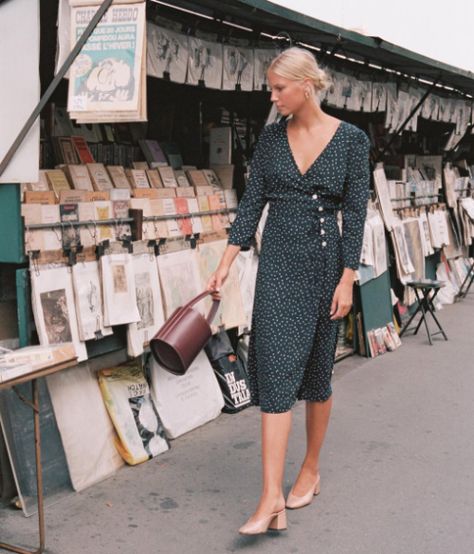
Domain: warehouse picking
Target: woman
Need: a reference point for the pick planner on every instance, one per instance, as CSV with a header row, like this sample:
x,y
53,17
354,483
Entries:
x,y
308,168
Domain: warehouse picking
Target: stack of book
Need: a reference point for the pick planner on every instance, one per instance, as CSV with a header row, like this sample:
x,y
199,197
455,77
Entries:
x,y
382,340
95,192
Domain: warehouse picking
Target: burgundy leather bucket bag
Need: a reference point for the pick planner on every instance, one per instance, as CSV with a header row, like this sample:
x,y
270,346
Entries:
x,y
182,336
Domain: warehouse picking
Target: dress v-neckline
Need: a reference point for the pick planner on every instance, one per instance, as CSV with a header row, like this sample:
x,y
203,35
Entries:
x,y
310,167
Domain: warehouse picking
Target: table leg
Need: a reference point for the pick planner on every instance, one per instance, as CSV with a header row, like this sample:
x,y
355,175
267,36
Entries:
x,y
412,317
422,302
39,478
464,288
431,308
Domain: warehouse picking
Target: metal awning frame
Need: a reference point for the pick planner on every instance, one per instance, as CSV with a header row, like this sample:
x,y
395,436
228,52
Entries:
x,y
363,54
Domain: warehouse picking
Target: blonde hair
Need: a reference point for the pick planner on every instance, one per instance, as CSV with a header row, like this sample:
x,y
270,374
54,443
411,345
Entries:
x,y
298,64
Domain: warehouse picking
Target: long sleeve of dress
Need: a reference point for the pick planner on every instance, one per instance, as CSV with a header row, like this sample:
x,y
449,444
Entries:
x,y
356,195
253,200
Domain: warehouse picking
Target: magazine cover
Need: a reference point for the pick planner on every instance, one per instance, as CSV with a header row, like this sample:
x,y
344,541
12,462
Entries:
x,y
106,75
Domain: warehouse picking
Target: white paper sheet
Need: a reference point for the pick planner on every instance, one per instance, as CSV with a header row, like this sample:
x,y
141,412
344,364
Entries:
x,y
150,304
188,401
88,294
86,431
118,286
54,308
180,279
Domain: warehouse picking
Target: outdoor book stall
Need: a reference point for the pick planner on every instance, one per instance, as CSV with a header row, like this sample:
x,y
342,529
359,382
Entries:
x,y
143,154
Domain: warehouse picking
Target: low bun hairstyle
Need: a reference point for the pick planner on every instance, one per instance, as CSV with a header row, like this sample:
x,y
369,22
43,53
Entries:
x,y
298,64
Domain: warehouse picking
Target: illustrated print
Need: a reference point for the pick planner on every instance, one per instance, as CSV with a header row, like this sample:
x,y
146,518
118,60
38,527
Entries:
x,y
236,63
110,80
148,424
92,297
120,279
144,300
265,62
56,316
202,60
167,49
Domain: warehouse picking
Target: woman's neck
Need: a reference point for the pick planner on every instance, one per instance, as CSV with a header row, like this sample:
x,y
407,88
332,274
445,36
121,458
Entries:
x,y
310,115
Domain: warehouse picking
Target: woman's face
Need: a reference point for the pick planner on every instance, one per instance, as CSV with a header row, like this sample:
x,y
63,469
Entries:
x,y
287,95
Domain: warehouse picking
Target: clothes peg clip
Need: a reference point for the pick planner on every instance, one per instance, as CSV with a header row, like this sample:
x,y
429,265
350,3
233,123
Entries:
x,y
192,240
153,247
128,244
161,241
101,248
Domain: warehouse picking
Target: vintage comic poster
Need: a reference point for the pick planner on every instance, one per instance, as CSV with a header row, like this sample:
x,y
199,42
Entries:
x,y
106,75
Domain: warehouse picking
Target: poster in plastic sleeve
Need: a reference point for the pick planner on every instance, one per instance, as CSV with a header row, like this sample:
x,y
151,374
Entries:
x,y
262,60
118,286
238,68
54,308
180,279
106,75
88,295
140,433
150,305
205,63
167,54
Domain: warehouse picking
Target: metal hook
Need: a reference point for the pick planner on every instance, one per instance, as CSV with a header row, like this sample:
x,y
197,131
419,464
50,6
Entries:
x,y
58,234
34,254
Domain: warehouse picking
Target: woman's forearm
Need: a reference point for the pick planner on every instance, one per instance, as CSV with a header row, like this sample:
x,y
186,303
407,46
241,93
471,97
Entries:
x,y
348,276
229,256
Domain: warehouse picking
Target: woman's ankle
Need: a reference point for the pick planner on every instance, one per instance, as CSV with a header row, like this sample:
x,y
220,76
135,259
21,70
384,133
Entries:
x,y
310,466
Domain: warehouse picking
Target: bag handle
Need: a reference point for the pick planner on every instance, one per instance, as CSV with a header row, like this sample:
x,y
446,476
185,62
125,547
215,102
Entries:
x,y
214,307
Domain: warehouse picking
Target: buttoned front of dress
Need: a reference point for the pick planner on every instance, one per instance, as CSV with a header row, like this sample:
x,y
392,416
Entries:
x,y
293,340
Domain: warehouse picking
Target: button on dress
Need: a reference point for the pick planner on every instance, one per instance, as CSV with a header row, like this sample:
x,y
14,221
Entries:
x,y
293,340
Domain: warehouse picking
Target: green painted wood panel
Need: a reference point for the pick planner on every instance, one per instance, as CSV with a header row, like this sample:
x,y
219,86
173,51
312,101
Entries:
x,y
375,302
11,226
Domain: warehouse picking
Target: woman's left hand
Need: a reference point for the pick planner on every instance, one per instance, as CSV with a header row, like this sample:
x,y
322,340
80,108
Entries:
x,y
342,300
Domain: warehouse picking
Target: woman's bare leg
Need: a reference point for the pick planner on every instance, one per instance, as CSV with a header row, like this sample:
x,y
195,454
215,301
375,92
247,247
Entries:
x,y
317,419
275,433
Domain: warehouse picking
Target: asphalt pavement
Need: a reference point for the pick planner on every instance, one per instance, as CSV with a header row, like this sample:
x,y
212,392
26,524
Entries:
x,y
397,471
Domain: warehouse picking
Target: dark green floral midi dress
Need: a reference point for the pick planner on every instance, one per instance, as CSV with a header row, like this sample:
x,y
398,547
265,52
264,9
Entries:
x,y
293,340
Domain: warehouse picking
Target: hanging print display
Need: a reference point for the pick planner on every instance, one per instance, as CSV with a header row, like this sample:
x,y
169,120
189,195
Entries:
x,y
238,68
167,54
205,63
150,305
54,309
88,294
108,75
262,58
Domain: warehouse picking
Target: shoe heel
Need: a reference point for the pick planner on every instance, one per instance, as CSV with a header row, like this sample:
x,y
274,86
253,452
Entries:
x,y
278,523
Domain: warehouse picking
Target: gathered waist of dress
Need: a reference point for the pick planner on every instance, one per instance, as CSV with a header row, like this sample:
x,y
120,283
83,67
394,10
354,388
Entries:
x,y
319,203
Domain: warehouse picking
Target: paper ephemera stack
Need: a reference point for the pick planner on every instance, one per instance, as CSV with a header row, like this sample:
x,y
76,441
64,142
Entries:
x,y
107,80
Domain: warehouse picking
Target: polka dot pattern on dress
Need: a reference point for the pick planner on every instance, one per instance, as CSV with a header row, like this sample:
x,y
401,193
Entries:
x,y
293,340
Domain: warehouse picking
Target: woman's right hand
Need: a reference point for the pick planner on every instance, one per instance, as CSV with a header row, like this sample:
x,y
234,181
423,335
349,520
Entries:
x,y
216,280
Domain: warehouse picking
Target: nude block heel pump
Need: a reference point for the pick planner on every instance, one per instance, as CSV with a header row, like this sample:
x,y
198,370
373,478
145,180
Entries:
x,y
278,523
293,502
275,521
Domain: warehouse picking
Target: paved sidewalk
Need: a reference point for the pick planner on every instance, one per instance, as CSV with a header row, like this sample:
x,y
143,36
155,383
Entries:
x,y
397,471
